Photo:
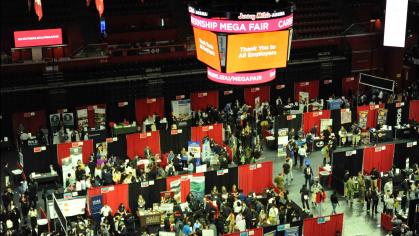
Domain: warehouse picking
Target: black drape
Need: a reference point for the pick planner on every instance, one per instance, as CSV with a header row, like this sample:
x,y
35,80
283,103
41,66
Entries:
x,y
151,193
227,179
118,147
225,96
397,112
326,88
118,111
174,142
412,219
284,121
343,161
403,151
38,162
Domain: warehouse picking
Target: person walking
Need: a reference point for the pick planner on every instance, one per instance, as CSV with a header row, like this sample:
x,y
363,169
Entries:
x,y
335,201
305,195
286,170
374,200
308,175
368,199
350,189
302,153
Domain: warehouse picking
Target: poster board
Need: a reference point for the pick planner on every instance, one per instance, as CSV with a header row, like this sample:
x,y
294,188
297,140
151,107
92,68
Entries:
x,y
324,123
182,109
363,119
69,206
345,116
382,116
282,142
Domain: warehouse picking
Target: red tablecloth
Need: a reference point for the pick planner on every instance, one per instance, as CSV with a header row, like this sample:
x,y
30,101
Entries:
x,y
386,222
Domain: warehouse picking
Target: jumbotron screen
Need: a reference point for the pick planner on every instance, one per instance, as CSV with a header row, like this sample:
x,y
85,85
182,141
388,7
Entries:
x,y
258,51
206,44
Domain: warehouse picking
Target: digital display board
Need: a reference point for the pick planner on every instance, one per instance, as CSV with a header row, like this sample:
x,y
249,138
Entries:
x,y
258,51
206,44
36,38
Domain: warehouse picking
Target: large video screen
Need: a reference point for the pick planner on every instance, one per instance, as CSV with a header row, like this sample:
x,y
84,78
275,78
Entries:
x,y
206,44
258,51
35,38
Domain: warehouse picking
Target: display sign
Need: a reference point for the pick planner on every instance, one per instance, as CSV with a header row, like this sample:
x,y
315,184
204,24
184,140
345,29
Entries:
x,y
241,78
243,26
207,48
395,23
36,38
247,52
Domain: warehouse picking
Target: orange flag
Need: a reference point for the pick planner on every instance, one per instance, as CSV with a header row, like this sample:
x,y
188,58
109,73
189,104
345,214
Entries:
x,y
100,6
38,9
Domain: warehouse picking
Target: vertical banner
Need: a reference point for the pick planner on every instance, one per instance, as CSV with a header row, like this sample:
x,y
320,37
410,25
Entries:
x,y
96,205
100,6
282,141
324,123
175,188
345,116
382,116
197,188
38,9
363,118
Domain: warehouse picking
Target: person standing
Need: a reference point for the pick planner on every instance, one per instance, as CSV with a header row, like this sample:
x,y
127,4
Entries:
x,y
302,153
374,177
374,200
361,189
350,189
368,199
308,175
305,193
335,201
326,154
356,134
345,189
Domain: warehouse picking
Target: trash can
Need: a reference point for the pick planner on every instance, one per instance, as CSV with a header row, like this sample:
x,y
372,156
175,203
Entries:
x,y
324,178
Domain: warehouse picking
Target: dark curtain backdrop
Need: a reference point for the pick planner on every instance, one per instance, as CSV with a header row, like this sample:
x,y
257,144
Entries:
x,y
349,86
138,141
230,95
31,121
174,141
63,150
283,89
413,203
220,178
392,113
111,197
216,133
313,118
151,193
414,110
201,100
38,161
403,151
263,92
343,161
372,114
287,121
118,111
118,147
148,106
312,87
329,228
327,88
255,177
377,157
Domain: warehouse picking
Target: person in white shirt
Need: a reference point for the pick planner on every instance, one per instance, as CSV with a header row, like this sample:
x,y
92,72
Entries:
x,y
388,187
106,211
302,153
273,215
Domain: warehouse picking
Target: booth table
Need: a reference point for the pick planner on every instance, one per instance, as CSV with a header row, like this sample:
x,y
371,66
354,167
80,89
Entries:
x,y
382,135
124,129
403,132
44,178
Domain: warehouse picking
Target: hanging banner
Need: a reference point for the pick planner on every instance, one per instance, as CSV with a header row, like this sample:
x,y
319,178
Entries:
x,y
175,188
382,116
96,206
345,116
38,9
362,119
282,141
100,6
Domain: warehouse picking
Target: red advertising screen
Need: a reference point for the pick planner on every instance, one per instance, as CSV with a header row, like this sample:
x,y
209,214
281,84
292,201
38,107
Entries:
x,y
34,38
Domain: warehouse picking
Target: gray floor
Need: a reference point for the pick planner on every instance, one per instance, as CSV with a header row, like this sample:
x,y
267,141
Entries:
x,y
356,221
